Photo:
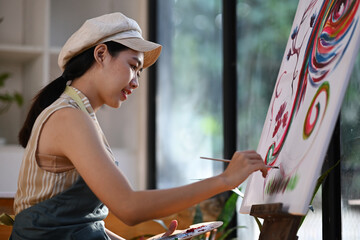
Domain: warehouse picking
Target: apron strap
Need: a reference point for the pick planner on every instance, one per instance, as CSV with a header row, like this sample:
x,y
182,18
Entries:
x,y
72,93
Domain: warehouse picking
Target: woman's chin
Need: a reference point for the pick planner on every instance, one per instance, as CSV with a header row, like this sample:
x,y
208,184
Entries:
x,y
115,104
118,104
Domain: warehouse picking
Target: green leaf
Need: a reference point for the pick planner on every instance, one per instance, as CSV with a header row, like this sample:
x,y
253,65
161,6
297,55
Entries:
x,y
198,218
5,97
258,223
228,232
228,211
319,182
6,219
3,77
4,107
18,99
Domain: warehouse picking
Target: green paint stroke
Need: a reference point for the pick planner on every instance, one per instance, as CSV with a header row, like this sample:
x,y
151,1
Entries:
x,y
281,184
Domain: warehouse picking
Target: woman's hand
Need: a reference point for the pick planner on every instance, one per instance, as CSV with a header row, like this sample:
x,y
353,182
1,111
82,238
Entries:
x,y
172,227
242,164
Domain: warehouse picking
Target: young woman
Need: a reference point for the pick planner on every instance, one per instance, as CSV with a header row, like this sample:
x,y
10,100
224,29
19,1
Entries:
x,y
68,174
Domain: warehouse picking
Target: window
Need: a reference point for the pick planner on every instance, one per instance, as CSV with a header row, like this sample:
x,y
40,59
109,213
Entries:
x,y
189,100
350,150
189,114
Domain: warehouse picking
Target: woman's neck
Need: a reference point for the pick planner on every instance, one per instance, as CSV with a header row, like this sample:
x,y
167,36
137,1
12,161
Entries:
x,y
86,85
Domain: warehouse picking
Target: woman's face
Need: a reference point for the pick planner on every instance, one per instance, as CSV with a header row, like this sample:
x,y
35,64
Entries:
x,y
120,76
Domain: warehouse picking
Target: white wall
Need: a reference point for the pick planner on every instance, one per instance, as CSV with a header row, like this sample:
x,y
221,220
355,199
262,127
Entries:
x,y
35,47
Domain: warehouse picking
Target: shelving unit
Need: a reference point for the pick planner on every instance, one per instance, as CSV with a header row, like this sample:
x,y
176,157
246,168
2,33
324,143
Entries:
x,y
31,36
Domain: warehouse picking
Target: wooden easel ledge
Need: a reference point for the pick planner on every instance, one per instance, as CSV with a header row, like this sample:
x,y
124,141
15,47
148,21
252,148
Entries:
x,y
278,225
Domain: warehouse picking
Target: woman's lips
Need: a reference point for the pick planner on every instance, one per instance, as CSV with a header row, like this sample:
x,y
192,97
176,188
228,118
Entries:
x,y
125,93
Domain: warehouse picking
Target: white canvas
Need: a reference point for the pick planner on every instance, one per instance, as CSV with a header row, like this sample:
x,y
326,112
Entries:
x,y
307,97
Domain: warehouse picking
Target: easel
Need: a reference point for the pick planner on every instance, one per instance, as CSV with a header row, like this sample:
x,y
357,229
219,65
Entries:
x,y
278,225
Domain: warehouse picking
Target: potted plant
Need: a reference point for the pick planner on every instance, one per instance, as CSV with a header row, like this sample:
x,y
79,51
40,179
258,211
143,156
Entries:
x,y
6,98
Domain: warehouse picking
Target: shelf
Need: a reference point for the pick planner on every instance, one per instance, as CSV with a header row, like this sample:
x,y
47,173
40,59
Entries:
x,y
31,36
18,54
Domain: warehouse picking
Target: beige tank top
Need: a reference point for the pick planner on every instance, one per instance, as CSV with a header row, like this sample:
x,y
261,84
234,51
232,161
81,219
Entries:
x,y
43,176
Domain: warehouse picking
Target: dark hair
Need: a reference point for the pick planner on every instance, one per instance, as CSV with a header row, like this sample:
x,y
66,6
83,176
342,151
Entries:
x,y
75,68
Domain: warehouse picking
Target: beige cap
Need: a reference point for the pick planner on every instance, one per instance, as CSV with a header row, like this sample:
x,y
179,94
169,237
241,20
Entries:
x,y
110,27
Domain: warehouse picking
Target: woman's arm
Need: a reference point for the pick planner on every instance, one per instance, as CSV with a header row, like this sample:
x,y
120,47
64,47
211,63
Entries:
x,y
78,140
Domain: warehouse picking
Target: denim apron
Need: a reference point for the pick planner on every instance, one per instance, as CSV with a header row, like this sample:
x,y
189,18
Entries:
x,y
75,213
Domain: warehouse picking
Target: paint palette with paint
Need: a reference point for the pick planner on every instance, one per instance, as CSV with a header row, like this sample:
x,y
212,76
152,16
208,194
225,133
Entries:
x,y
192,231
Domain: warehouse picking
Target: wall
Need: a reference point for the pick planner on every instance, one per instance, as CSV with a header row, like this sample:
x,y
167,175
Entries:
x,y
31,36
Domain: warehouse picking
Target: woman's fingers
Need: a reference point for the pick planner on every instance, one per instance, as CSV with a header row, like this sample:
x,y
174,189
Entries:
x,y
172,227
260,166
250,154
242,164
256,162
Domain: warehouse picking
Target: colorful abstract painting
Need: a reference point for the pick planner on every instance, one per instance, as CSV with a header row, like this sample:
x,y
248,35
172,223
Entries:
x,y
307,97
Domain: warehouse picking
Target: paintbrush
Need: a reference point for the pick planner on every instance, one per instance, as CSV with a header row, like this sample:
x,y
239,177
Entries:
x,y
227,160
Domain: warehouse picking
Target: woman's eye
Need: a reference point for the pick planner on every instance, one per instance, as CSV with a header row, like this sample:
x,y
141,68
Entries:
x,y
135,68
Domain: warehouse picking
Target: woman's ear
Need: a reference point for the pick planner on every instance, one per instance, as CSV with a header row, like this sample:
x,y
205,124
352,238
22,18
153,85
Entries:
x,y
100,52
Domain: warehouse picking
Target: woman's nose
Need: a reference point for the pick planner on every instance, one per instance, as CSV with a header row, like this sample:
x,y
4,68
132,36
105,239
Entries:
x,y
134,83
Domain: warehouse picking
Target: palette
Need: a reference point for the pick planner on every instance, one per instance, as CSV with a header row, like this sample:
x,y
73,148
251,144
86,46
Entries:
x,y
192,231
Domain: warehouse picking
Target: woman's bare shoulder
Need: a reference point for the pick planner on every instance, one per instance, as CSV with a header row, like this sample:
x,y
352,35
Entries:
x,y
60,127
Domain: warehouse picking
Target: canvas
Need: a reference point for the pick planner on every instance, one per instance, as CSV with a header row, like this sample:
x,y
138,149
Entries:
x,y
305,104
